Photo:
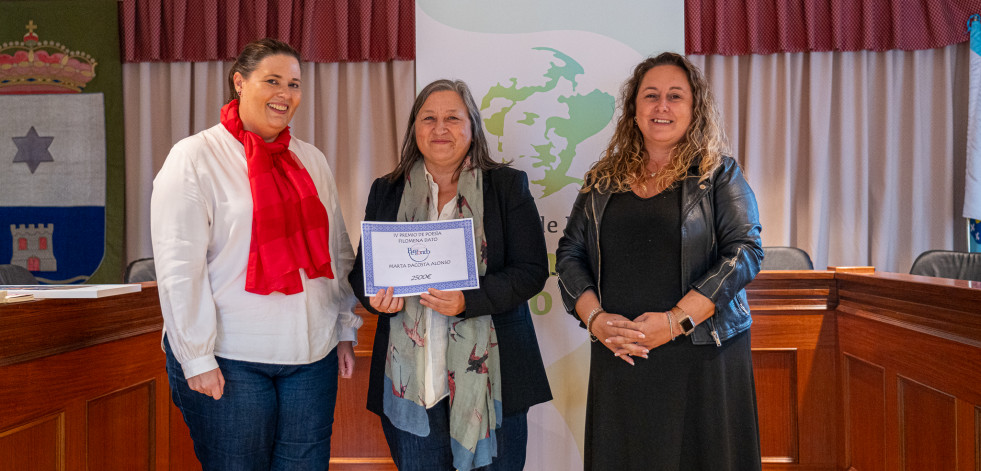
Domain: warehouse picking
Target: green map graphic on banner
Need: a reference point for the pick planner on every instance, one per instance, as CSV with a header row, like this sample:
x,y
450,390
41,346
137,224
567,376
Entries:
x,y
587,113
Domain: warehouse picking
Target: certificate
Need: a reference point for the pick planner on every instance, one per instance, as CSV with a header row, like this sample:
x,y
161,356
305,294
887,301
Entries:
x,y
412,257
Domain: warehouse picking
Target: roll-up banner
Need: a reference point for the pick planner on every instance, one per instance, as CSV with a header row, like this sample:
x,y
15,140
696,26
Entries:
x,y
547,76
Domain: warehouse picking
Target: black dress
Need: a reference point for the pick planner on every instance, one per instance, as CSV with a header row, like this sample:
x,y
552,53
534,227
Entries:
x,y
686,407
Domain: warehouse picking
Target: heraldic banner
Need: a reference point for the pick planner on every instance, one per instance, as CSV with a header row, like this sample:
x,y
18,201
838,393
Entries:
x,y
61,140
546,76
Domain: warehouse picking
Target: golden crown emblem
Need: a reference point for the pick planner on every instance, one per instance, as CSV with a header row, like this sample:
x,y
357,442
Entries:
x,y
35,66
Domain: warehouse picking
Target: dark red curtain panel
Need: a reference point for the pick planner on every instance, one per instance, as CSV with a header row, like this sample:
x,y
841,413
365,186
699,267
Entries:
x,y
736,27
322,30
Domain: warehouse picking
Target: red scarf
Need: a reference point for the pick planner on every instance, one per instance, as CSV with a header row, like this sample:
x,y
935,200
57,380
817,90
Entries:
x,y
289,223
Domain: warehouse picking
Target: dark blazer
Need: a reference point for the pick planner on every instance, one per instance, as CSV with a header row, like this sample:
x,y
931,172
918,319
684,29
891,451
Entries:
x,y
517,268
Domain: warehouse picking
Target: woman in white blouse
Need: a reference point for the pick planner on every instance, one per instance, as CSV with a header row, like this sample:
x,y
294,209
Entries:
x,y
252,259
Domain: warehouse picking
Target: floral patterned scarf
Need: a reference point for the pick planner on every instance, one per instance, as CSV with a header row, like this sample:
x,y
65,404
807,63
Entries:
x,y
472,362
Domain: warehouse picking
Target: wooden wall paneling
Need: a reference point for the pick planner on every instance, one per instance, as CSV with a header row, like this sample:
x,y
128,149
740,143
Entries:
x,y
91,362
821,399
38,444
52,382
935,306
794,349
775,372
864,414
181,455
161,429
174,448
809,378
358,442
65,384
358,437
120,429
75,434
925,334
905,337
363,464
791,290
965,434
927,427
164,448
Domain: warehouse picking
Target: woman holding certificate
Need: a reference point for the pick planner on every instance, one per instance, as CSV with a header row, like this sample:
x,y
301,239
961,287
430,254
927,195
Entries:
x,y
453,373
660,244
252,259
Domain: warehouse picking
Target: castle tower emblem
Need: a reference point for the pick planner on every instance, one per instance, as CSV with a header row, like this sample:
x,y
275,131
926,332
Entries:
x,y
32,247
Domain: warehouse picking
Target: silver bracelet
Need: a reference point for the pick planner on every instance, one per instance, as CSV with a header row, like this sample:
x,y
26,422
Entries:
x,y
589,322
670,317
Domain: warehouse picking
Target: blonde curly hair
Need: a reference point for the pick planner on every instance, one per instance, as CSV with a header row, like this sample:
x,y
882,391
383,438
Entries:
x,y
624,162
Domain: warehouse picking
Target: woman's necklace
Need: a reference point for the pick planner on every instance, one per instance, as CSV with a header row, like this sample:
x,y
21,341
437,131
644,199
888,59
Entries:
x,y
646,187
655,170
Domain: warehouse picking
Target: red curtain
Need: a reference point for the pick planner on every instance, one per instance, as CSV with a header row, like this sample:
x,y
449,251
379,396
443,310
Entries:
x,y
322,30
736,27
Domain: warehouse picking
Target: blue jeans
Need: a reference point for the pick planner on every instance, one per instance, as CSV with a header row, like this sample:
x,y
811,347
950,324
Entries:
x,y
270,417
433,453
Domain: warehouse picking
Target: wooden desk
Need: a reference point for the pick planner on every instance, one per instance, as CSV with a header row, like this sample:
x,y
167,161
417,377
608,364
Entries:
x,y
853,371
867,372
83,385
794,361
910,353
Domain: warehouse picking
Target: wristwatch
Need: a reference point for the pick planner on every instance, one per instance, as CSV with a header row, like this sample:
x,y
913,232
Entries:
x,y
687,325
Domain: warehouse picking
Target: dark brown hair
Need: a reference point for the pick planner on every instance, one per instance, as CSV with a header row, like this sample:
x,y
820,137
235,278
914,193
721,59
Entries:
x,y
252,54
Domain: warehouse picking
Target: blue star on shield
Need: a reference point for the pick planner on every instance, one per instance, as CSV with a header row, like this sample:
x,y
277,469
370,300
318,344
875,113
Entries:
x,y
32,149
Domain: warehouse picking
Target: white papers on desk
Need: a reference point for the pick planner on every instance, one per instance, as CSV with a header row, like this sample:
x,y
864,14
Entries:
x,y
70,291
14,298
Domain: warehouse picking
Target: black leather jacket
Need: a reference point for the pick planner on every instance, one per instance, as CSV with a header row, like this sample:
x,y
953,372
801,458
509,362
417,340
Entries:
x,y
721,249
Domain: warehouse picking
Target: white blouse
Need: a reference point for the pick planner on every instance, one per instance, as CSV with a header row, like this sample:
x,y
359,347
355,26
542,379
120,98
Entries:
x,y
437,331
201,228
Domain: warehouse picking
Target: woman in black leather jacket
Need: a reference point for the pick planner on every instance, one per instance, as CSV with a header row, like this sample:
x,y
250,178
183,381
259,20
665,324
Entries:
x,y
659,246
